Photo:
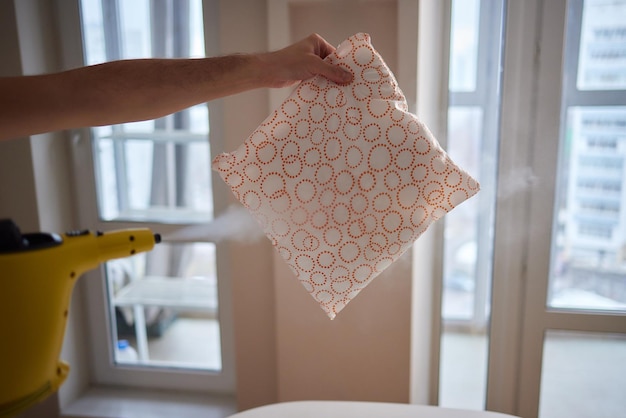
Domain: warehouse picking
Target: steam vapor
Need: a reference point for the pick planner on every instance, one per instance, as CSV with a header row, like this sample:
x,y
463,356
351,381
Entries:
x,y
235,224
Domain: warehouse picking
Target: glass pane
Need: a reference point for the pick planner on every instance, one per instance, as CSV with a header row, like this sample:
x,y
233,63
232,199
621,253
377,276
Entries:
x,y
464,45
472,141
588,266
583,375
93,33
135,28
602,57
149,178
165,306
157,170
463,370
460,245
589,247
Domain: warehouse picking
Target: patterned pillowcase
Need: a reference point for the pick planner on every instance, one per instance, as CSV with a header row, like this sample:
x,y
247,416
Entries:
x,y
342,178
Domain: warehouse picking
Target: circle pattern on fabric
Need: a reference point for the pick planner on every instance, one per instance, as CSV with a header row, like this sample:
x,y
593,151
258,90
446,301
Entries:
x,y
342,178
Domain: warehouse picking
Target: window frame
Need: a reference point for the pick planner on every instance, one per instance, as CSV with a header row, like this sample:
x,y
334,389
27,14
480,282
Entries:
x,y
94,288
531,111
485,97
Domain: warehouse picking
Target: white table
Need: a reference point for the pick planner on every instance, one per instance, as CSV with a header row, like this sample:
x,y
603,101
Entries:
x,y
343,409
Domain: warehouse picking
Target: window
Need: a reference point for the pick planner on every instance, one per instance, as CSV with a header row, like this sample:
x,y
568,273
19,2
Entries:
x,y
553,258
164,308
473,105
588,249
572,386
473,141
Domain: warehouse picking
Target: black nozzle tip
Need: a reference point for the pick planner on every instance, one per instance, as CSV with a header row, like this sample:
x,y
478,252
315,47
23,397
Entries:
x,y
157,238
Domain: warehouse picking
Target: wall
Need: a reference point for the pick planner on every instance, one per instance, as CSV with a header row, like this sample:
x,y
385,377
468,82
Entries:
x,y
35,181
243,30
337,20
364,353
17,182
286,348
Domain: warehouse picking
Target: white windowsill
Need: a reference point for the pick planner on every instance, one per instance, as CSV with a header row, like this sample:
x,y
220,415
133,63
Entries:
x,y
107,402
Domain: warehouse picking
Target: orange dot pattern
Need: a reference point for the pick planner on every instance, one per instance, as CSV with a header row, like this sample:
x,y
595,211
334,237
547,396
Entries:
x,y
342,178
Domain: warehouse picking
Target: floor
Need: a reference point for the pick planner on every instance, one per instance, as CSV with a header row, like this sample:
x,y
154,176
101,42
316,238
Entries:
x,y
582,377
187,342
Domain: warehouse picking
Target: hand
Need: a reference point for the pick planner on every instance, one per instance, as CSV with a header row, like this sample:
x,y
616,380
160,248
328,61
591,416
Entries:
x,y
301,61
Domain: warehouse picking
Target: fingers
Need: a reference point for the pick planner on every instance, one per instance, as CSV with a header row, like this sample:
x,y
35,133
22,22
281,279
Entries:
x,y
301,61
333,72
322,49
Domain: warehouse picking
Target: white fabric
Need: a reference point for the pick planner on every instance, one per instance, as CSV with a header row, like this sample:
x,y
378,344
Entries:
x,y
342,178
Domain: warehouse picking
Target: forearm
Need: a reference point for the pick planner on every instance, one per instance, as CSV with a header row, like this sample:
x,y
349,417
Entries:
x,y
132,90
147,89
121,91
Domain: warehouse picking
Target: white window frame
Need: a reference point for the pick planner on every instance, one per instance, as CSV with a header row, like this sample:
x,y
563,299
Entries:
x,y
484,96
104,372
531,112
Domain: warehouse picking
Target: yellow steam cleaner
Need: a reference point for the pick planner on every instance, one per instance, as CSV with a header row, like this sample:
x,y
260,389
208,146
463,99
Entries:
x,y
37,275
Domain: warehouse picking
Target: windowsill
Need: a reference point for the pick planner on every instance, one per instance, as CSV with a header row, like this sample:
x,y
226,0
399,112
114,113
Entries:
x,y
110,402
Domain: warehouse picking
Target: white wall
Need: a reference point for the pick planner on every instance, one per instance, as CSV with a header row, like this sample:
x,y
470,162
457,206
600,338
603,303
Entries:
x,y
364,354
35,180
243,30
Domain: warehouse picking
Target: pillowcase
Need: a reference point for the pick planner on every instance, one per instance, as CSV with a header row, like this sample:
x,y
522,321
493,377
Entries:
x,y
342,179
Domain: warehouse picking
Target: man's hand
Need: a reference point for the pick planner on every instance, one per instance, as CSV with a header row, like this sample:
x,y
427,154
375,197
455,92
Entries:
x,y
301,61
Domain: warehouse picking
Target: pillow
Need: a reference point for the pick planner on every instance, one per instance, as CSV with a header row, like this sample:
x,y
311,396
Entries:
x,y
342,179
